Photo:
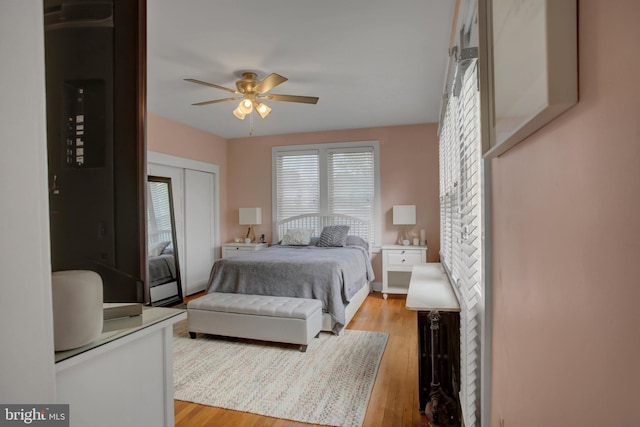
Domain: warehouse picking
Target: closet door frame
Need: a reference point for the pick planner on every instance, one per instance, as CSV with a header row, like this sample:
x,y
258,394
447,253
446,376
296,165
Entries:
x,y
184,163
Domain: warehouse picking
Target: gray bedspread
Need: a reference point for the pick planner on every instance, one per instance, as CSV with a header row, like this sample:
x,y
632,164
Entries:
x,y
331,275
162,269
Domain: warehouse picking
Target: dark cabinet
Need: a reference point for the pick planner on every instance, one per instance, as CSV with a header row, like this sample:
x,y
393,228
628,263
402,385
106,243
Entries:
x,y
439,348
95,91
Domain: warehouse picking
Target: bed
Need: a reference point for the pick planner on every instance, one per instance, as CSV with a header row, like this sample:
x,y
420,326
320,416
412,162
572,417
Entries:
x,y
162,269
163,274
305,263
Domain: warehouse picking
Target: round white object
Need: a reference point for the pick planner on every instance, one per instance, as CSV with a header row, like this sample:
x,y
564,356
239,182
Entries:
x,y
77,308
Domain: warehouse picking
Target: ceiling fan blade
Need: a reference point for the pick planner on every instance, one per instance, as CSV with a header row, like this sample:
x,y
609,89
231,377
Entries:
x,y
200,82
269,82
292,98
217,100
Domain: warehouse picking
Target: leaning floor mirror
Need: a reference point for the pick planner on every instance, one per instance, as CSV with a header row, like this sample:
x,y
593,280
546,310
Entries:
x,y
163,274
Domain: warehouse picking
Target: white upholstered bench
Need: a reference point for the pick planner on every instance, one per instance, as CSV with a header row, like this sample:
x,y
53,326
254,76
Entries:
x,y
267,318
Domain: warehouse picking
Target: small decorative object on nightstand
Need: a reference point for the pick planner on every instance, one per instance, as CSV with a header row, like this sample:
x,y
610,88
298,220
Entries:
x,y
232,249
397,262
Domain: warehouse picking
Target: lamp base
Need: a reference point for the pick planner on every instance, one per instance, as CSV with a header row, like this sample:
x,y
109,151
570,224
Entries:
x,y
403,235
250,234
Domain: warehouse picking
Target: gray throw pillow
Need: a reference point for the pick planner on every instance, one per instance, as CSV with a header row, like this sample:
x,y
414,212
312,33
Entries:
x,y
333,236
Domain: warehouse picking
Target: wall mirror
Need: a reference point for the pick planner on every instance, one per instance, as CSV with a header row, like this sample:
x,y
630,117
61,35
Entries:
x,y
165,287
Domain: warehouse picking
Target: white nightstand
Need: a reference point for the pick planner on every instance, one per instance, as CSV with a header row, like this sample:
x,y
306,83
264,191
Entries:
x,y
231,249
397,262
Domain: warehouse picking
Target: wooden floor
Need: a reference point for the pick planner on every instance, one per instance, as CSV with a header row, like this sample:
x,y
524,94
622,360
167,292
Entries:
x,y
394,399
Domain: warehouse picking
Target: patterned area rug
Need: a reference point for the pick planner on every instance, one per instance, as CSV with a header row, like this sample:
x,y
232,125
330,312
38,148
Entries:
x,y
330,384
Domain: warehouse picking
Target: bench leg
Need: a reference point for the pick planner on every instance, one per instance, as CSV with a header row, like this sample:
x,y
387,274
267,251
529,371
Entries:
x,y
303,348
192,335
317,335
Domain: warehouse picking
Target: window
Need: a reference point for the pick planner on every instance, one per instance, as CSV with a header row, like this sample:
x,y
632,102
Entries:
x,y
328,179
158,213
461,227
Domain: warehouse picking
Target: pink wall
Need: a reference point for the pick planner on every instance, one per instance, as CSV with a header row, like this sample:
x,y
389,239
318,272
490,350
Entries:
x,y
174,138
566,211
408,168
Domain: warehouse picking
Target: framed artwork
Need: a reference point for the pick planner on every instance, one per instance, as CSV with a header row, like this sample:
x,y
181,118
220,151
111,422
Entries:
x,y
531,48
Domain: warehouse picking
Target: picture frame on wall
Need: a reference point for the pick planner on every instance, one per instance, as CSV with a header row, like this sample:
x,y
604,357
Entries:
x,y
532,65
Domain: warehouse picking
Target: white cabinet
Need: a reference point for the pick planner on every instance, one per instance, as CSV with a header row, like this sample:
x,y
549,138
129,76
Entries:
x,y
397,263
231,249
125,377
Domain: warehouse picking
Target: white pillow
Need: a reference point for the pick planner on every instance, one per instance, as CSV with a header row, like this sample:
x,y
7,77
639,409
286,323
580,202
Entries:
x,y
157,248
297,237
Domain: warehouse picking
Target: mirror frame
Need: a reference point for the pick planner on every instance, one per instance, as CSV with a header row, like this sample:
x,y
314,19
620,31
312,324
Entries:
x,y
177,299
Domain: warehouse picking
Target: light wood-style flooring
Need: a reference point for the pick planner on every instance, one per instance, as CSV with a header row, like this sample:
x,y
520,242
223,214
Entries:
x,y
394,399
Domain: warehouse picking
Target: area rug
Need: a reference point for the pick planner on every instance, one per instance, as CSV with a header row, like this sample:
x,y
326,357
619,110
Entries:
x,y
330,384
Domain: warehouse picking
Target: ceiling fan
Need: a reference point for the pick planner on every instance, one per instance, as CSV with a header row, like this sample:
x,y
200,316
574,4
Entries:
x,y
252,91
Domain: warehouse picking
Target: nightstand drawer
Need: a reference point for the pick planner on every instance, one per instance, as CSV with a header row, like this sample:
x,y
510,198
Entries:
x,y
232,249
239,248
404,257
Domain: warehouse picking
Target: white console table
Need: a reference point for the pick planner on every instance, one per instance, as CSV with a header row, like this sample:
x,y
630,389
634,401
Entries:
x,y
125,377
431,295
429,289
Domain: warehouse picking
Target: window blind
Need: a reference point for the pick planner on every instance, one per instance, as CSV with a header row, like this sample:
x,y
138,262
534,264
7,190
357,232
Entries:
x,y
461,228
297,183
158,211
351,183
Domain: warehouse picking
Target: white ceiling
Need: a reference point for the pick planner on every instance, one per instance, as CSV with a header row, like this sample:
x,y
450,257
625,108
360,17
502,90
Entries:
x,y
371,62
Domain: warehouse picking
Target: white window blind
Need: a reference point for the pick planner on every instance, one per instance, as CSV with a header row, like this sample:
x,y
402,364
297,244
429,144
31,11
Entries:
x,y
297,183
328,179
461,228
158,212
351,183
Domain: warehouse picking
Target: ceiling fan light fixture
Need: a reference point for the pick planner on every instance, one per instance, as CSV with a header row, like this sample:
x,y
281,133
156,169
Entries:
x,y
262,109
245,106
238,113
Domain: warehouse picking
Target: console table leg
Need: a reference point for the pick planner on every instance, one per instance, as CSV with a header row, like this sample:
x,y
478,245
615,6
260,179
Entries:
x,y
440,402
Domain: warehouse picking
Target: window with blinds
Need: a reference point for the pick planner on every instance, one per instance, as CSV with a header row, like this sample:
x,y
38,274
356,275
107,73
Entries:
x,y
297,183
461,227
158,213
327,179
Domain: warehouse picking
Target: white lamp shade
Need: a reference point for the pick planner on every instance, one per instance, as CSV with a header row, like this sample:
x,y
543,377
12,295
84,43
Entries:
x,y
404,215
262,109
250,216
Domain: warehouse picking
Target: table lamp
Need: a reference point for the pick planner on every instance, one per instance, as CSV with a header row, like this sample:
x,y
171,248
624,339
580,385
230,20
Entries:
x,y
404,215
250,217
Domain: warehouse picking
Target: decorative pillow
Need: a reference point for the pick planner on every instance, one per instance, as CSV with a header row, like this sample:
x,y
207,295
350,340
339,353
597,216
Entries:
x,y
333,236
357,241
157,248
297,237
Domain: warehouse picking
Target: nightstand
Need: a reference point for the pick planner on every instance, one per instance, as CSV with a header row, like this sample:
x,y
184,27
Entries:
x,y
232,249
397,262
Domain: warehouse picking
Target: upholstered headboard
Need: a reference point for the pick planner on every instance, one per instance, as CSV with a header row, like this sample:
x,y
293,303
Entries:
x,y
357,226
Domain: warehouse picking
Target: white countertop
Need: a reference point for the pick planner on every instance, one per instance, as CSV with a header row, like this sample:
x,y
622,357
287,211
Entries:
x,y
429,289
118,328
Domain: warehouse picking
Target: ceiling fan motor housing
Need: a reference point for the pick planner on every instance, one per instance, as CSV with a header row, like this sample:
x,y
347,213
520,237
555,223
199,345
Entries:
x,y
247,83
